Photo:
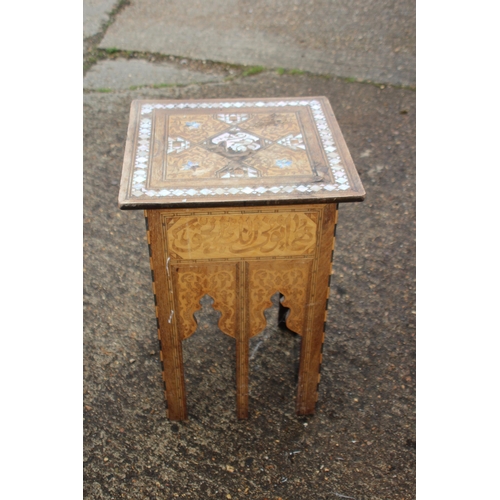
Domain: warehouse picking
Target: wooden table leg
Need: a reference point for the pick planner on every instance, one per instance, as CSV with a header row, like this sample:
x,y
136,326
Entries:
x,y
314,336
242,377
173,376
170,338
242,347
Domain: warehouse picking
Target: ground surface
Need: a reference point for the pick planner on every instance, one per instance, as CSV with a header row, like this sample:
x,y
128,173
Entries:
x,y
361,442
372,40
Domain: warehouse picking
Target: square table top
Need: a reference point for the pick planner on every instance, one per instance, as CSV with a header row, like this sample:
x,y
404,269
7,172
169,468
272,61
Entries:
x,y
235,152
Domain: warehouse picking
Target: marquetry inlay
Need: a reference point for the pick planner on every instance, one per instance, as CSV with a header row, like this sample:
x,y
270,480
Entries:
x,y
193,152
241,200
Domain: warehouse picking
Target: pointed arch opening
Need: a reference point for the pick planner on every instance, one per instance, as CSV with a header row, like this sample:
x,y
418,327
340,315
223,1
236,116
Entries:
x,y
274,360
209,363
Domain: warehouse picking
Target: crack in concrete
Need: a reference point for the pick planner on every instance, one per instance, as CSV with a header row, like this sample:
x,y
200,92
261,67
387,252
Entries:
x,y
90,43
93,54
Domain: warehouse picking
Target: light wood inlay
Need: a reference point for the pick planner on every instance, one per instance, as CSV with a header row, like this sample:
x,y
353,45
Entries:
x,y
241,258
220,234
192,282
289,277
254,151
241,200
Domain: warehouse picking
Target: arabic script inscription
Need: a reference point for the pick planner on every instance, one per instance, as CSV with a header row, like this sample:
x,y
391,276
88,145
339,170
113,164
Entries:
x,y
248,235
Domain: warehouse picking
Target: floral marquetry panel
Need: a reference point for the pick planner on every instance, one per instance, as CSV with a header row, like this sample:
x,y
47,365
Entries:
x,y
292,279
274,126
278,160
195,128
192,282
243,254
199,153
195,162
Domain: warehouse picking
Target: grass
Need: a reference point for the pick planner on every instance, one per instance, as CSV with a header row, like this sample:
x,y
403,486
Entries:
x,y
112,50
165,85
158,85
253,70
104,90
283,71
382,86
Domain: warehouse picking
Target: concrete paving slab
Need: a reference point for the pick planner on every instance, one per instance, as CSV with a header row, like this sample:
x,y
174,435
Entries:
x,y
361,442
367,39
95,14
120,74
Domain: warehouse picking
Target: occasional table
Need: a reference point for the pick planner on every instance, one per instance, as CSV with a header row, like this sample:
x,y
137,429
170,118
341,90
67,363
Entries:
x,y
241,199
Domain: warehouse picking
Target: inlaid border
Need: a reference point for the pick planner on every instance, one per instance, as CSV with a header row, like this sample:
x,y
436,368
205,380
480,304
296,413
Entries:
x,y
143,146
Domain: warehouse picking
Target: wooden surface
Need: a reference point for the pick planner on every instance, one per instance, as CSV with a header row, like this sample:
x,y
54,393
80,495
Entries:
x,y
254,151
168,334
241,258
241,201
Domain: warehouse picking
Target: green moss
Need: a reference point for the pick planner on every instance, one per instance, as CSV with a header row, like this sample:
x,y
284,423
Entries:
x,y
162,85
283,71
253,70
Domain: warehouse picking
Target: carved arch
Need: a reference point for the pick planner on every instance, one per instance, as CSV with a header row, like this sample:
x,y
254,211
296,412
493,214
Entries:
x,y
193,282
291,279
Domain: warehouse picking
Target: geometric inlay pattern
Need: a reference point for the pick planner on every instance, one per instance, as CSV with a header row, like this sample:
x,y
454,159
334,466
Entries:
x,y
277,160
273,126
293,141
231,145
235,143
176,145
195,128
233,118
194,163
238,170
